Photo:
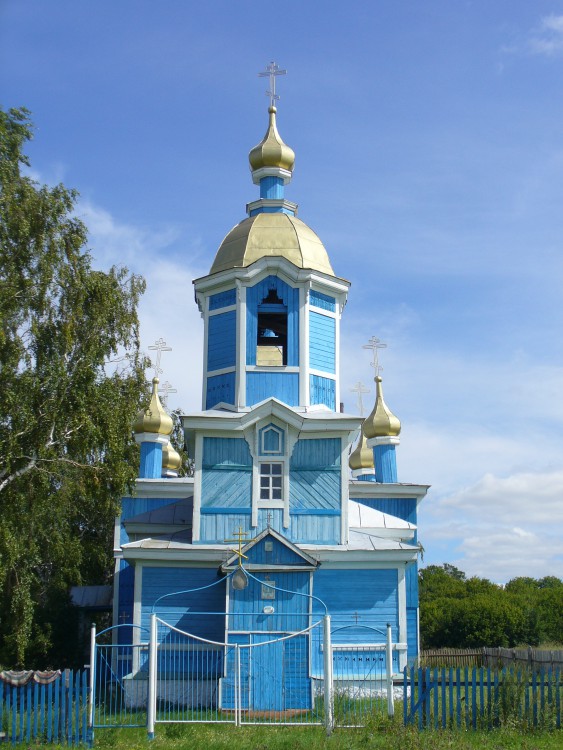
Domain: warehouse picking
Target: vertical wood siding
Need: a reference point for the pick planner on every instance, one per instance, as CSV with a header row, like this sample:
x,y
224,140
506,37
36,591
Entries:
x,y
323,301
322,342
290,609
369,594
323,391
281,385
221,341
314,529
176,609
385,463
215,528
223,299
220,388
151,461
271,187
290,297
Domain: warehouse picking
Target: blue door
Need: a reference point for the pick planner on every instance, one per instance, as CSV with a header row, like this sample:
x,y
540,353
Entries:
x,y
267,674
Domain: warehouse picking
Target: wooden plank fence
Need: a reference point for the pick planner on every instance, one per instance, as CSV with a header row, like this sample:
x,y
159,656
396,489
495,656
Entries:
x,y
523,658
478,698
52,713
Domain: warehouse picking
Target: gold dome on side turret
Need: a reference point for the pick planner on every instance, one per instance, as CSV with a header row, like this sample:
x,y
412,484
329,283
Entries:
x,y
171,459
272,151
153,419
381,422
362,456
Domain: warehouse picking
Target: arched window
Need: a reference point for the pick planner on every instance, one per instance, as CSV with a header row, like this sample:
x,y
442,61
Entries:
x,y
271,339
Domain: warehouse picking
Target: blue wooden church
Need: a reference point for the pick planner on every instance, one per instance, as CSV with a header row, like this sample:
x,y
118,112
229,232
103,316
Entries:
x,y
319,525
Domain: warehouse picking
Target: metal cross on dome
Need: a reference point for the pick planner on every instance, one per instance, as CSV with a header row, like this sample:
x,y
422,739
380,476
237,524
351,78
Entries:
x,y
272,70
375,344
165,389
159,347
360,389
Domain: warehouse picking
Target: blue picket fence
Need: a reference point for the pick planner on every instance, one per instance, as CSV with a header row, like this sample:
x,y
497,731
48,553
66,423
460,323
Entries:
x,y
475,698
52,713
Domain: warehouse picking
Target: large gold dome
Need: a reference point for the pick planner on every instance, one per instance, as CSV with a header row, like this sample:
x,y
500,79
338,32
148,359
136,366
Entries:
x,y
272,235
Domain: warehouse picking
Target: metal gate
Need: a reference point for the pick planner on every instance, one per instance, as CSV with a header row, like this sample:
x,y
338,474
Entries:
x,y
255,678
118,677
173,676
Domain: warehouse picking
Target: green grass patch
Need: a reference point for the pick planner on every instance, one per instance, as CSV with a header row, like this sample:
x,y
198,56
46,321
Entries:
x,y
381,734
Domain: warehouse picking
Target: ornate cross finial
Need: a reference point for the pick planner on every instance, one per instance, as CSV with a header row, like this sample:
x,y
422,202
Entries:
x,y
159,347
375,344
240,534
272,70
165,389
360,388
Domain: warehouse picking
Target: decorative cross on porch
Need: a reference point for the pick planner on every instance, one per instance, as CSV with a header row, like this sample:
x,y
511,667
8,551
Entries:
x,y
375,344
356,617
272,70
159,347
240,534
360,389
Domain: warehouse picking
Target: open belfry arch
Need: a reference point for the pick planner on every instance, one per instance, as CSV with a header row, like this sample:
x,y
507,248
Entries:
x,y
273,464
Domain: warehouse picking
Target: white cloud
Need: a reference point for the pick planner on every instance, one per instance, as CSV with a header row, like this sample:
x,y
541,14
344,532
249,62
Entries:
x,y
167,309
500,527
547,38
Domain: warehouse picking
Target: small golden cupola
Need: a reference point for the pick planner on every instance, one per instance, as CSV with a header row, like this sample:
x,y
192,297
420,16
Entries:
x,y
381,422
361,458
171,461
272,152
154,418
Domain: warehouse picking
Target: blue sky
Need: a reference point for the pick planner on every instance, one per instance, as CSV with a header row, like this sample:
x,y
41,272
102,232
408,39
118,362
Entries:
x,y
429,145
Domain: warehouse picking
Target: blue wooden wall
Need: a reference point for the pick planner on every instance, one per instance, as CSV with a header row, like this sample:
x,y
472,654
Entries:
x,y
323,391
176,609
360,602
226,480
281,385
405,508
314,475
223,299
385,461
221,340
220,388
290,609
372,594
322,301
290,298
322,342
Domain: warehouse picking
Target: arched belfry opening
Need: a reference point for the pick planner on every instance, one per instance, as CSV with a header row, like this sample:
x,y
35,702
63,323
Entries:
x,y
271,339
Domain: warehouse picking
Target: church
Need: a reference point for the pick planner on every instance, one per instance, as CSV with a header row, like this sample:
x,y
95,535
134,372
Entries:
x,y
283,518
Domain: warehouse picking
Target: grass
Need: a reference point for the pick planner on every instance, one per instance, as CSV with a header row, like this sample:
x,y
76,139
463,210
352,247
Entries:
x,y
382,735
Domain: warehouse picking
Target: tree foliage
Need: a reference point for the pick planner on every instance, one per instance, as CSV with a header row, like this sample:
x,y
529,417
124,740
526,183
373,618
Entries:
x,y
461,612
72,380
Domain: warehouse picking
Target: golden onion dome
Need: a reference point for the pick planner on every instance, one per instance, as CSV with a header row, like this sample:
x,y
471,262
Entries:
x,y
272,151
153,419
362,456
272,235
381,422
171,459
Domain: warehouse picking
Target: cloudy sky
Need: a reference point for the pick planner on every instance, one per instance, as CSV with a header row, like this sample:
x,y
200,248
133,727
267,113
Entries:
x,y
429,143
